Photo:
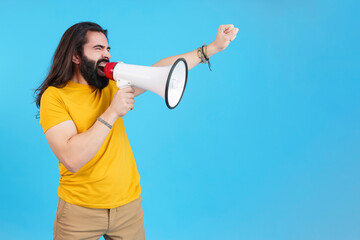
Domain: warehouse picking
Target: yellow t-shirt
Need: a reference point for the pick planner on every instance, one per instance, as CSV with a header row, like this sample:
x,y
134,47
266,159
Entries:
x,y
110,179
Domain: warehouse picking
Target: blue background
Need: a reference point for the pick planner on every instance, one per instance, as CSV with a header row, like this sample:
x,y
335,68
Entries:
x,y
264,147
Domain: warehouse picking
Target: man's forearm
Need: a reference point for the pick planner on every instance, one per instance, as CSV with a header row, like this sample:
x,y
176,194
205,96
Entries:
x,y
191,58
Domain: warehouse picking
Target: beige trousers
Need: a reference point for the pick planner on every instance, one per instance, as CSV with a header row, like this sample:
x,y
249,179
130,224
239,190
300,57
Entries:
x,y
74,222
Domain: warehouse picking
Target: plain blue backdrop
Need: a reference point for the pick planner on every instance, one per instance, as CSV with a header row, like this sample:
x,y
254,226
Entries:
x,y
264,147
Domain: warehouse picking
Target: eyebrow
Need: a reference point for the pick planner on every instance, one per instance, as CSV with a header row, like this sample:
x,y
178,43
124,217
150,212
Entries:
x,y
102,46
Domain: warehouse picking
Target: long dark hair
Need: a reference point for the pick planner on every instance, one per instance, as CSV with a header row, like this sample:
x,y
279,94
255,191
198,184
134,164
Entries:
x,y
62,68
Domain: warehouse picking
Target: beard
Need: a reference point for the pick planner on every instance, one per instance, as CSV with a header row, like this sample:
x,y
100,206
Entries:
x,y
89,70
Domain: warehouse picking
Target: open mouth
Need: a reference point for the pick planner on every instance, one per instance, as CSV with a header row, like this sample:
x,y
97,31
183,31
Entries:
x,y
100,70
101,67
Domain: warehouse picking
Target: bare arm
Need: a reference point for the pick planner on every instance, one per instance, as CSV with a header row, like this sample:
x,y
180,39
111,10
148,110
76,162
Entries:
x,y
74,150
225,34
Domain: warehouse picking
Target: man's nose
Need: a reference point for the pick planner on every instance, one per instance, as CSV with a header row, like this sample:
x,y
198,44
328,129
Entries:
x,y
106,54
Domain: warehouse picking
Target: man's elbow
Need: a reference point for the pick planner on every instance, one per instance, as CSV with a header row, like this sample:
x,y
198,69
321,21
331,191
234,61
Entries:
x,y
70,164
72,169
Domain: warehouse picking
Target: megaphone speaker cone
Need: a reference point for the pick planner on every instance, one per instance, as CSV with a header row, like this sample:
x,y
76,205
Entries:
x,y
176,83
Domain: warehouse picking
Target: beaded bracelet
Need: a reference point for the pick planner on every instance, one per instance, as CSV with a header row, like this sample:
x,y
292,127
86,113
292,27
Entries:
x,y
201,55
206,58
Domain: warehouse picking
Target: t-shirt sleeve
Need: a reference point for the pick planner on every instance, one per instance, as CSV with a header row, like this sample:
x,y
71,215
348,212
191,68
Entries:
x,y
52,109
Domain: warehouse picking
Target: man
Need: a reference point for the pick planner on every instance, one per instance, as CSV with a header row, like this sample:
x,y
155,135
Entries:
x,y
81,114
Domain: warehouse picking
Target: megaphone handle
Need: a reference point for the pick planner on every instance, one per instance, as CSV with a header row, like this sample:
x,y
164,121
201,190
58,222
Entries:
x,y
121,84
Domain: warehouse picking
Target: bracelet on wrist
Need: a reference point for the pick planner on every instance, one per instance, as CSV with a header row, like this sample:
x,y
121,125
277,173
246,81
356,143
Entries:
x,y
104,122
204,53
201,55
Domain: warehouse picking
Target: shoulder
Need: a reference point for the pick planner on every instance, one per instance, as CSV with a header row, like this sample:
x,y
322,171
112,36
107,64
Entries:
x,y
53,110
51,93
58,91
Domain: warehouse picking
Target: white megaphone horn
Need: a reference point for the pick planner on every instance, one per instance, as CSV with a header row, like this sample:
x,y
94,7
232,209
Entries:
x,y
169,82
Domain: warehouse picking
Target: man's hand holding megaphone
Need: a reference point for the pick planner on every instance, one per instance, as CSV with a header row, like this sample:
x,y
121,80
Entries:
x,y
123,101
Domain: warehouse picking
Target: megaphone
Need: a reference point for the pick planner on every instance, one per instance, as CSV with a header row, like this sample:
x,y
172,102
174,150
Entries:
x,y
169,82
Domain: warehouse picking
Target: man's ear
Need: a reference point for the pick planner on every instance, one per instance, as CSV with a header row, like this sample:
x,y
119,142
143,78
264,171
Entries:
x,y
76,58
